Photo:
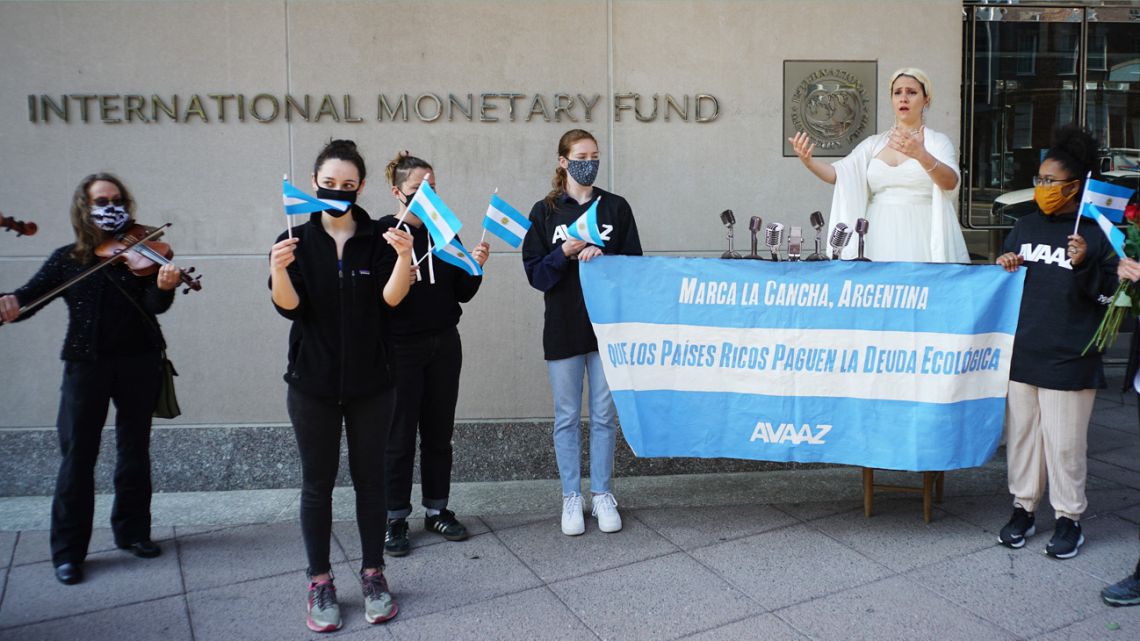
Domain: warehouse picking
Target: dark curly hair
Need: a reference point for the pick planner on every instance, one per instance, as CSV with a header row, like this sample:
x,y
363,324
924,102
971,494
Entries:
x,y
1076,149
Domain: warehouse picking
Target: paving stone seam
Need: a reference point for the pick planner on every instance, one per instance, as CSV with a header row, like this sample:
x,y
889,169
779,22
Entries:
x,y
182,580
8,573
1133,474
86,613
545,584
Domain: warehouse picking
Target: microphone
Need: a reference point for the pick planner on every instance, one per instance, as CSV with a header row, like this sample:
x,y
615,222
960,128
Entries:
x,y
728,220
773,236
861,227
818,225
754,226
840,236
795,241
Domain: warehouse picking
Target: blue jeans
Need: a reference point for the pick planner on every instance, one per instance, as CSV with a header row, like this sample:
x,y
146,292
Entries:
x,y
566,385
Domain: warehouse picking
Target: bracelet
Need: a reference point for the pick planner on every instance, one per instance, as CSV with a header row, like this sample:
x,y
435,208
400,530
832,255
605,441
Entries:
x,y
937,162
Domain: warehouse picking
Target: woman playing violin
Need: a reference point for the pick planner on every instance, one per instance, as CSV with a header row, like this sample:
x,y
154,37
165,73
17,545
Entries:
x,y
111,353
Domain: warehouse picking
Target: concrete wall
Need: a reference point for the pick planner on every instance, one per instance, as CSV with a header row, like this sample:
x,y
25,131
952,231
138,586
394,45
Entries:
x,y
218,182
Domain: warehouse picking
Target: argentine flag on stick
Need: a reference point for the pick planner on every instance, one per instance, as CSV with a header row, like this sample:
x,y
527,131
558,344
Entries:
x,y
298,202
505,221
430,208
1115,236
454,253
586,227
1107,198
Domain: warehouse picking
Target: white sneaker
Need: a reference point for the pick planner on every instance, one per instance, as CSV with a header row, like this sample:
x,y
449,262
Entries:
x,y
605,509
573,523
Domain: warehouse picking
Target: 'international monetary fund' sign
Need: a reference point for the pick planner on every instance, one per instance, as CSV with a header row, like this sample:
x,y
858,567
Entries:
x,y
140,108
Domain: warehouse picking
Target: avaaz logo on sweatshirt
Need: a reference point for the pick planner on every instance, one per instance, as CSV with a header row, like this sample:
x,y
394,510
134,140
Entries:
x,y
560,233
1046,254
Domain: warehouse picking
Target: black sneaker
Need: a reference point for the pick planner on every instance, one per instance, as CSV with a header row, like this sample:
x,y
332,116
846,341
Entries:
x,y
1067,539
396,542
445,525
1020,526
1125,592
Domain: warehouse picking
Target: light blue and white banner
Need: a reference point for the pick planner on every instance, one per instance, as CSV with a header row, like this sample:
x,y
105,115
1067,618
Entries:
x,y
890,365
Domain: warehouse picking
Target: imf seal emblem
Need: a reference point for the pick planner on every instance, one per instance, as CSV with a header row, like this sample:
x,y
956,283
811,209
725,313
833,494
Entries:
x,y
831,103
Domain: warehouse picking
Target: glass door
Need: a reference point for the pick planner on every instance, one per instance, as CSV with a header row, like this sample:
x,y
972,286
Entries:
x,y
1022,77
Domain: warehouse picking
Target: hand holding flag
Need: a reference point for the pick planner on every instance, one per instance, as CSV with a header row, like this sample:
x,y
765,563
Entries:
x,y
505,221
586,227
454,253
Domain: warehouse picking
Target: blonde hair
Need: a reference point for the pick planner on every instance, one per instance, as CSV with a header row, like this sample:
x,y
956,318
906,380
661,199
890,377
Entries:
x,y
917,74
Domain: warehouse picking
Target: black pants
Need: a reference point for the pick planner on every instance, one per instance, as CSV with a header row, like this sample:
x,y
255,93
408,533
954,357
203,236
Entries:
x,y
132,383
317,423
427,389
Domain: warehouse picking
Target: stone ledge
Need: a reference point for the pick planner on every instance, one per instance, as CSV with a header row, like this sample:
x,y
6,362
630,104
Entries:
x,y
249,457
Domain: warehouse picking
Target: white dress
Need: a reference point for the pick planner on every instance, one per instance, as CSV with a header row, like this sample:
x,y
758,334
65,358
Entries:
x,y
903,226
899,212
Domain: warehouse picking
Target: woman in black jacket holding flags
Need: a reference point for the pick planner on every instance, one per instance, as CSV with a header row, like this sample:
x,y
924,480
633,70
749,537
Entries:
x,y
336,278
428,356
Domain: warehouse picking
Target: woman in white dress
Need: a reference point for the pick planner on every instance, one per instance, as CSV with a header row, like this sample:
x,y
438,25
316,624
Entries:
x,y
903,181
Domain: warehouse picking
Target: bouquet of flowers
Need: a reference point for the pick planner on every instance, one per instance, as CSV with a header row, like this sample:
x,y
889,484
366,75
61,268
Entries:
x,y
1124,300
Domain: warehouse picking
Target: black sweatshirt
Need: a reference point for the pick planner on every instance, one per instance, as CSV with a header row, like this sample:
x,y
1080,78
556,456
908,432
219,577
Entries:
x,y
429,309
101,321
336,344
1061,306
566,331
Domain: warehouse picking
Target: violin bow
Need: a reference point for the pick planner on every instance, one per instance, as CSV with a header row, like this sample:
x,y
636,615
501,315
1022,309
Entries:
x,y
158,231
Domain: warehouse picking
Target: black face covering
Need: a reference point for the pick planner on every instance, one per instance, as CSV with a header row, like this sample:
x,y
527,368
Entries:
x,y
336,194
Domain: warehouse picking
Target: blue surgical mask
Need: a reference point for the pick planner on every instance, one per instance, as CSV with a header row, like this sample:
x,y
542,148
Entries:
x,y
584,172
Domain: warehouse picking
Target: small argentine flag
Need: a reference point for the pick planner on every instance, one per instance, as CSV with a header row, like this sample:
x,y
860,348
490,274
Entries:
x,y
430,208
454,253
1115,236
505,221
298,202
1108,198
586,227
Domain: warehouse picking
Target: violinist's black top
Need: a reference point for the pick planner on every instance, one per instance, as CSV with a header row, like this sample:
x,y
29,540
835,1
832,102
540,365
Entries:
x,y
102,322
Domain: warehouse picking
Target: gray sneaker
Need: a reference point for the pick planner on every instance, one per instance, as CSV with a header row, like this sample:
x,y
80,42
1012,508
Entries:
x,y
379,606
324,613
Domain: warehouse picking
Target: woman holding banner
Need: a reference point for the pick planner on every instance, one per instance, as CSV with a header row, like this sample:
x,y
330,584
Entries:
x,y
1052,383
111,354
428,355
904,182
570,347
335,277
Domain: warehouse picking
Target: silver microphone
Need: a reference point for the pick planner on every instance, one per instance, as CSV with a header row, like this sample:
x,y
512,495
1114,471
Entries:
x,y
773,236
795,243
818,225
840,236
754,226
861,227
728,220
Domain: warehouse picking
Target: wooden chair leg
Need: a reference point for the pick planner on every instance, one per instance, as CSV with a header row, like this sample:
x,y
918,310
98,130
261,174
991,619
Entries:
x,y
868,491
938,487
927,487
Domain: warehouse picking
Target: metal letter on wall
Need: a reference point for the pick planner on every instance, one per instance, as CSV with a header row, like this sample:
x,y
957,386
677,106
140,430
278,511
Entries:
x,y
833,101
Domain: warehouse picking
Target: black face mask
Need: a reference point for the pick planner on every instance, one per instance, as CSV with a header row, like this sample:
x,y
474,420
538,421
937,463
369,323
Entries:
x,y
336,194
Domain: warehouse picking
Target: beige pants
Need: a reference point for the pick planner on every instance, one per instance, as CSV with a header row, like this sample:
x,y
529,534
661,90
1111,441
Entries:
x,y
1047,437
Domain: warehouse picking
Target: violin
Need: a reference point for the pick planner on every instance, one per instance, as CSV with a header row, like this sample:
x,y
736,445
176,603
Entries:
x,y
144,256
20,227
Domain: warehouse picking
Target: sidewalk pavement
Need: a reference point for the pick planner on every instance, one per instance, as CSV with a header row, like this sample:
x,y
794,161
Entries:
x,y
769,555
